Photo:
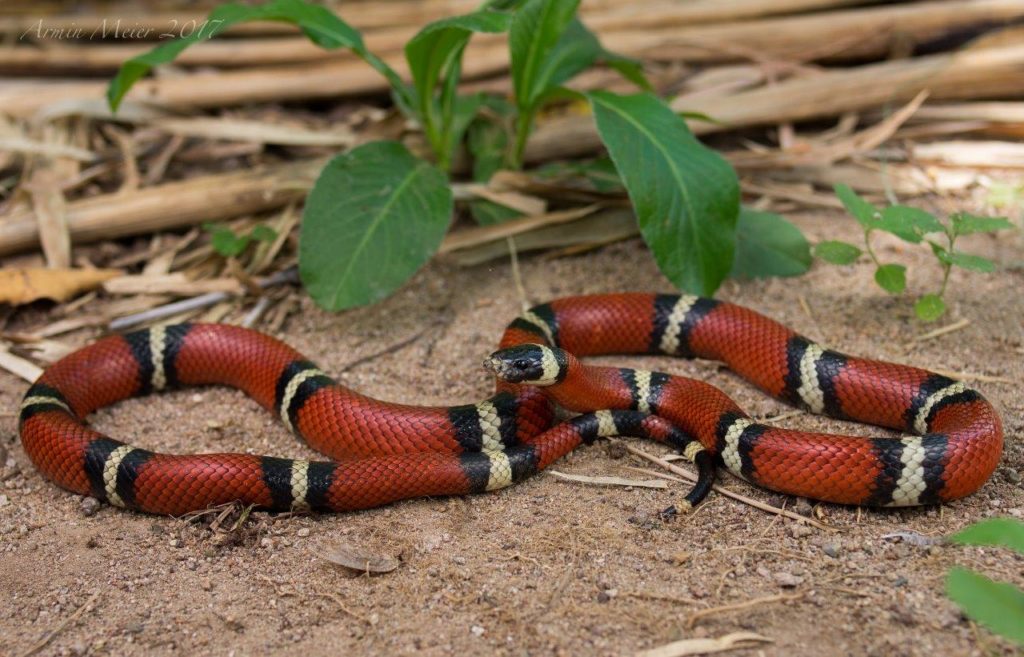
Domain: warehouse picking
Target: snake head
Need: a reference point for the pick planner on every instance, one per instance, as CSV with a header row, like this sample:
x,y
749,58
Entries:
x,y
529,364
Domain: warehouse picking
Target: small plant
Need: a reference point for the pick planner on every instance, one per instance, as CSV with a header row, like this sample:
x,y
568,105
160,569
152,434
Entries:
x,y
911,225
229,244
996,605
377,213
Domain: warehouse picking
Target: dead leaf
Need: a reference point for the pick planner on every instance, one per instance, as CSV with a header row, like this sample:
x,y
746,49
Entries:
x,y
734,641
610,481
358,559
21,286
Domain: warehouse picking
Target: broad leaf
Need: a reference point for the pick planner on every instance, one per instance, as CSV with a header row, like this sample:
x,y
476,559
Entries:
x,y
907,223
768,245
964,260
1005,532
929,307
996,605
376,214
537,28
865,213
836,252
891,278
965,224
319,24
686,197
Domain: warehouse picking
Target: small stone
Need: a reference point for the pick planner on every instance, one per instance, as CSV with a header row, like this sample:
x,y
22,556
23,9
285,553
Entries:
x,y
803,506
205,584
174,542
788,580
1012,476
4,500
89,506
477,630
799,531
831,549
459,560
303,532
602,597
680,558
616,451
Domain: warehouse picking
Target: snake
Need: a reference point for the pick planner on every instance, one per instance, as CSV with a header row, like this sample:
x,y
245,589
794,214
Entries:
x,y
945,439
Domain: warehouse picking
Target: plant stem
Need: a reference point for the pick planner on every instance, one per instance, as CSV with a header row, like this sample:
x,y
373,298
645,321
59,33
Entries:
x,y
868,249
523,124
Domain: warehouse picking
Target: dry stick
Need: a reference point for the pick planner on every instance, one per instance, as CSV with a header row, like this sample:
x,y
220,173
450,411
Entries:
x,y
287,276
777,37
724,491
781,597
390,349
970,73
172,205
60,627
949,328
249,52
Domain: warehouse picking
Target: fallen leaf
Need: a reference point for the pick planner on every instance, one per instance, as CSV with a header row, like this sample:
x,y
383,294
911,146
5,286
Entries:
x,y
21,286
349,556
734,641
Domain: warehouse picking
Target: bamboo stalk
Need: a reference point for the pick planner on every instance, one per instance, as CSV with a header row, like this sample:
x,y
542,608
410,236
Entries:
x,y
172,205
972,73
861,32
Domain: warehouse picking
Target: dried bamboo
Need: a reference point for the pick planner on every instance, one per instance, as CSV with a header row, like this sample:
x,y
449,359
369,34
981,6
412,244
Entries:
x,y
173,205
974,73
857,32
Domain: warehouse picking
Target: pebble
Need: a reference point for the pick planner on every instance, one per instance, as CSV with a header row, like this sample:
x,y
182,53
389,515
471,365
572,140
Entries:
x,y
477,630
4,500
89,506
1012,476
831,549
799,531
174,542
803,506
787,580
303,532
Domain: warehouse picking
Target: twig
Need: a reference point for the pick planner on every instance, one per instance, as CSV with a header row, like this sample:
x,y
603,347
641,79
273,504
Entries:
x,y
341,604
969,376
285,276
60,627
390,349
19,366
256,312
517,276
949,328
724,491
781,597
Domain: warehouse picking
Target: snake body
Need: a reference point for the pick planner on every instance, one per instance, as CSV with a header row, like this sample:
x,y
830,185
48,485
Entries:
x,y
381,452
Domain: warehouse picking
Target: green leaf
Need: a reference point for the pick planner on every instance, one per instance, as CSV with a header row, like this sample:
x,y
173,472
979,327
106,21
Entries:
x,y
263,233
963,260
865,213
929,307
375,215
907,223
686,197
319,24
435,56
1005,532
836,252
537,29
891,278
965,224
996,605
226,243
768,245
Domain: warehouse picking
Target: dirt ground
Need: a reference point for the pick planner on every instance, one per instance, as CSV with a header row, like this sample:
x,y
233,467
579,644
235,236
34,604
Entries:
x,y
545,567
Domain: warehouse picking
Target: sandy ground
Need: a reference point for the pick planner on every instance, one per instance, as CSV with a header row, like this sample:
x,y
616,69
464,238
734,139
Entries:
x,y
545,567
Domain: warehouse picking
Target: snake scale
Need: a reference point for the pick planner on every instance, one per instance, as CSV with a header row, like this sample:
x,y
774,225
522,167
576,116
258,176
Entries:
x,y
381,452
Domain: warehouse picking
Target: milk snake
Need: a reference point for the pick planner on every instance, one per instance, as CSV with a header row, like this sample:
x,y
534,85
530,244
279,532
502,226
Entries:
x,y
382,452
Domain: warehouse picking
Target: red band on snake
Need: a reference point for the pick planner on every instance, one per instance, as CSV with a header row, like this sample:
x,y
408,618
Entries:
x,y
382,452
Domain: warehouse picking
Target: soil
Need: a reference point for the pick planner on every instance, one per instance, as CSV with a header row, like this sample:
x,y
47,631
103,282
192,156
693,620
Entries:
x,y
547,566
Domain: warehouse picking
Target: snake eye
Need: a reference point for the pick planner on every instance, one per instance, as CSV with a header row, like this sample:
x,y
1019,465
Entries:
x,y
521,364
